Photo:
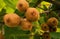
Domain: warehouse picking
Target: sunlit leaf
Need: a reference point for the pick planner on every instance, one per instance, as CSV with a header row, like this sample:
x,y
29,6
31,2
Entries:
x,y
2,4
9,9
11,3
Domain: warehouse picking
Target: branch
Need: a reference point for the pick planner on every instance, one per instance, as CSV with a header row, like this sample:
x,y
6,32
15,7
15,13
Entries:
x,y
55,3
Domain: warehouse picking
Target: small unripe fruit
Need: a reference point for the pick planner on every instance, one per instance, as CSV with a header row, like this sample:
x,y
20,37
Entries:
x,y
46,35
11,20
22,5
52,29
32,14
44,27
52,21
26,25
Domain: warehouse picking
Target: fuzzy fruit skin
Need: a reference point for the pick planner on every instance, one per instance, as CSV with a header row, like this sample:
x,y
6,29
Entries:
x,y
22,5
11,20
26,25
52,29
52,21
46,35
32,14
44,27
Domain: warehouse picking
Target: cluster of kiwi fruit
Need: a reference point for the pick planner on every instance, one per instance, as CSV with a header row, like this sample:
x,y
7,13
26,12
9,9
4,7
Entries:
x,y
31,15
14,20
51,25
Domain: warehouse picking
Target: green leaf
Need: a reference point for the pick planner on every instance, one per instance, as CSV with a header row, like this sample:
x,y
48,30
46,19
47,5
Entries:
x,y
15,33
31,4
45,8
34,1
11,3
2,4
36,36
58,29
3,12
41,20
21,14
36,27
55,35
9,9
29,1
59,24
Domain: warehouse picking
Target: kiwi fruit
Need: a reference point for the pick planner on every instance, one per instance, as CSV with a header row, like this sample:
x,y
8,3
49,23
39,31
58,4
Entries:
x,y
52,29
26,25
46,35
52,21
11,20
44,27
32,14
22,5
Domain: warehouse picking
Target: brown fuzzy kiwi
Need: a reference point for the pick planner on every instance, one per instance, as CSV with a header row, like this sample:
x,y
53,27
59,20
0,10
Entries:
x,y
44,27
11,20
52,21
46,35
32,14
52,29
26,25
22,5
